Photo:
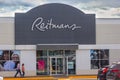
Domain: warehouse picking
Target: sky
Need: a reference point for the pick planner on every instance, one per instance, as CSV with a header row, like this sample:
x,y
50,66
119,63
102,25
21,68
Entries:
x,y
102,8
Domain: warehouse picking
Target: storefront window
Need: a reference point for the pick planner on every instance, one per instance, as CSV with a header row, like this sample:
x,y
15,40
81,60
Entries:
x,y
56,52
69,52
71,65
53,62
9,59
42,62
41,53
41,66
99,58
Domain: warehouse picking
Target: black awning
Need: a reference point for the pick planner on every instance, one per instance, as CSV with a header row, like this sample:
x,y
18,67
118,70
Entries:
x,y
57,46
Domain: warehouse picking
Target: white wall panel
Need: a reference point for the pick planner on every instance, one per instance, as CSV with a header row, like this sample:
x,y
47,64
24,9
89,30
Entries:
x,y
7,31
29,59
114,55
82,60
108,31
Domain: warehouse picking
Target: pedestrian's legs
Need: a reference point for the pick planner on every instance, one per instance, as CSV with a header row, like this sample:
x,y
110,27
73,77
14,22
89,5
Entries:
x,y
16,73
23,73
20,72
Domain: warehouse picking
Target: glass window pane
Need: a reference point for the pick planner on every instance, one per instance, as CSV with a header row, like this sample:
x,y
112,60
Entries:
x,y
41,53
99,58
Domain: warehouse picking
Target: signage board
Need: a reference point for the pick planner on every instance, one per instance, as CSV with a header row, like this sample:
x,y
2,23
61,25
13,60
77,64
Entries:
x,y
54,23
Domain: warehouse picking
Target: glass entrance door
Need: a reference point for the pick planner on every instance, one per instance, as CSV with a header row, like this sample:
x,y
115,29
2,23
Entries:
x,y
56,65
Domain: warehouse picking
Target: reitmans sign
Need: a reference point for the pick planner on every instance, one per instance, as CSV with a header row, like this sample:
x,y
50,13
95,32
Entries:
x,y
54,23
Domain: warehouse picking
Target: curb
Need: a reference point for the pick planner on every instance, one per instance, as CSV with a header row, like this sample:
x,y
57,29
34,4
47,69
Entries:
x,y
53,78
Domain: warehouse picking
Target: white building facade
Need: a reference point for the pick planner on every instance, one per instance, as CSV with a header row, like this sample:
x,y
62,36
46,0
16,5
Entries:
x,y
60,58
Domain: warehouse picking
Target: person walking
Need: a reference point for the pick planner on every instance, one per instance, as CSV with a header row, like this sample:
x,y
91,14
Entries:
x,y
18,69
23,70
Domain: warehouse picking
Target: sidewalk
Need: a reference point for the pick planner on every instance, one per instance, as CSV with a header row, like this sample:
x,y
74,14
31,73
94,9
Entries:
x,y
54,78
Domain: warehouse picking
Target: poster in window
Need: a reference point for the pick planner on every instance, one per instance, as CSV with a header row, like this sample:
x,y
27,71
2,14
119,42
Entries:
x,y
9,60
41,65
70,65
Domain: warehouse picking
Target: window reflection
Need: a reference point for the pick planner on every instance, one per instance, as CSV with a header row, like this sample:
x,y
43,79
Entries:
x,y
99,58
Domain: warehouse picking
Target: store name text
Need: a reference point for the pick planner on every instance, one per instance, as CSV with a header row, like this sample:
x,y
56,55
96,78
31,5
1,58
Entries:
x,y
40,25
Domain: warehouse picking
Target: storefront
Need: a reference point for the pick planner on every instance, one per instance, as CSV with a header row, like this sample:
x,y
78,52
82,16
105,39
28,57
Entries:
x,y
55,62
56,59
57,39
55,29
